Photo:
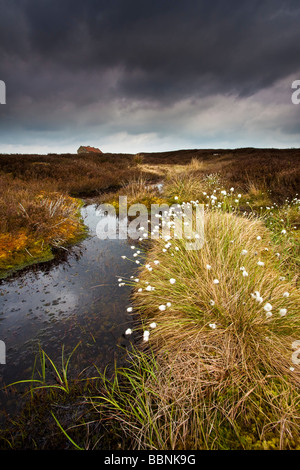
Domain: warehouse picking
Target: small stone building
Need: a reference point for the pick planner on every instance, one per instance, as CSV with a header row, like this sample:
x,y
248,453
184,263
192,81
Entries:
x,y
88,149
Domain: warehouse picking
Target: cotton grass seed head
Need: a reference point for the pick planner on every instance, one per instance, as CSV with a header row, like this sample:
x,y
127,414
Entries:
x,y
282,312
257,297
146,335
268,307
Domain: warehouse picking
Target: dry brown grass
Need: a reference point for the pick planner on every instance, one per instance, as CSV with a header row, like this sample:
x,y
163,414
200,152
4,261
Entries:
x,y
37,209
33,221
230,386
275,169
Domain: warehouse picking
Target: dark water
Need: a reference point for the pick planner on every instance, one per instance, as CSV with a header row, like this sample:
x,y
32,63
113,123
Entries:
x,y
75,299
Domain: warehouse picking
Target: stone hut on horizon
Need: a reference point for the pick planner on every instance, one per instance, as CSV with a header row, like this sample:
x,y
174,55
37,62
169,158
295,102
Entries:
x,y
88,149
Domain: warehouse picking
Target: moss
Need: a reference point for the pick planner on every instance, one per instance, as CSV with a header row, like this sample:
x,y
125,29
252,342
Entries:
x,y
24,260
27,246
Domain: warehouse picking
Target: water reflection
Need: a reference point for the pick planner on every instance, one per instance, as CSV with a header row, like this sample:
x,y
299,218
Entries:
x,y
75,299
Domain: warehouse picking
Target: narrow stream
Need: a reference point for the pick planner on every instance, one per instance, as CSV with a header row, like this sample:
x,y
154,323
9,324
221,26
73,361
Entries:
x,y
76,299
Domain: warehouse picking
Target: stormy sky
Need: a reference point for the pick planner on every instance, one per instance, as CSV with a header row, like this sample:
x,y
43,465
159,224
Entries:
x,y
147,75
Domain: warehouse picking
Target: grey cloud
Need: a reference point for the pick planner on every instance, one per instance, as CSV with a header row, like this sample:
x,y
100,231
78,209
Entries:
x,y
167,48
96,63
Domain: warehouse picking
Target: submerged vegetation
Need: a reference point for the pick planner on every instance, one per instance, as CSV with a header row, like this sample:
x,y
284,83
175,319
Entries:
x,y
212,363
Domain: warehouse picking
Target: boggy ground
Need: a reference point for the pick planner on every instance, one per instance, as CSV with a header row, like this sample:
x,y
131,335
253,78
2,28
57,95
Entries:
x,y
216,368
39,198
40,201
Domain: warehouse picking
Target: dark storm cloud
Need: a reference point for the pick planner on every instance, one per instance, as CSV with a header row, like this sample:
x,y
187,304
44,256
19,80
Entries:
x,y
60,57
166,49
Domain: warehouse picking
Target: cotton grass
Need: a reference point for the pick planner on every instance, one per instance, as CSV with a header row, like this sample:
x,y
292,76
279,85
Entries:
x,y
230,354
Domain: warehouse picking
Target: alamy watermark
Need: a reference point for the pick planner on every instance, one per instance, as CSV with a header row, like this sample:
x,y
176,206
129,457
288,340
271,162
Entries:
x,y
2,353
296,94
181,222
2,92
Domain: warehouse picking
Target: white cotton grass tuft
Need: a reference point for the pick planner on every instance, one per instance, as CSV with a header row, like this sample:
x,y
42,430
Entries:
x,y
286,294
213,326
216,281
172,280
282,312
257,297
129,309
128,331
146,335
162,308
268,307
153,325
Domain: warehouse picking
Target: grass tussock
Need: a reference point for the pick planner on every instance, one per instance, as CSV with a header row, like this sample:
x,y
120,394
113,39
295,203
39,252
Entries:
x,y
34,222
137,191
223,376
